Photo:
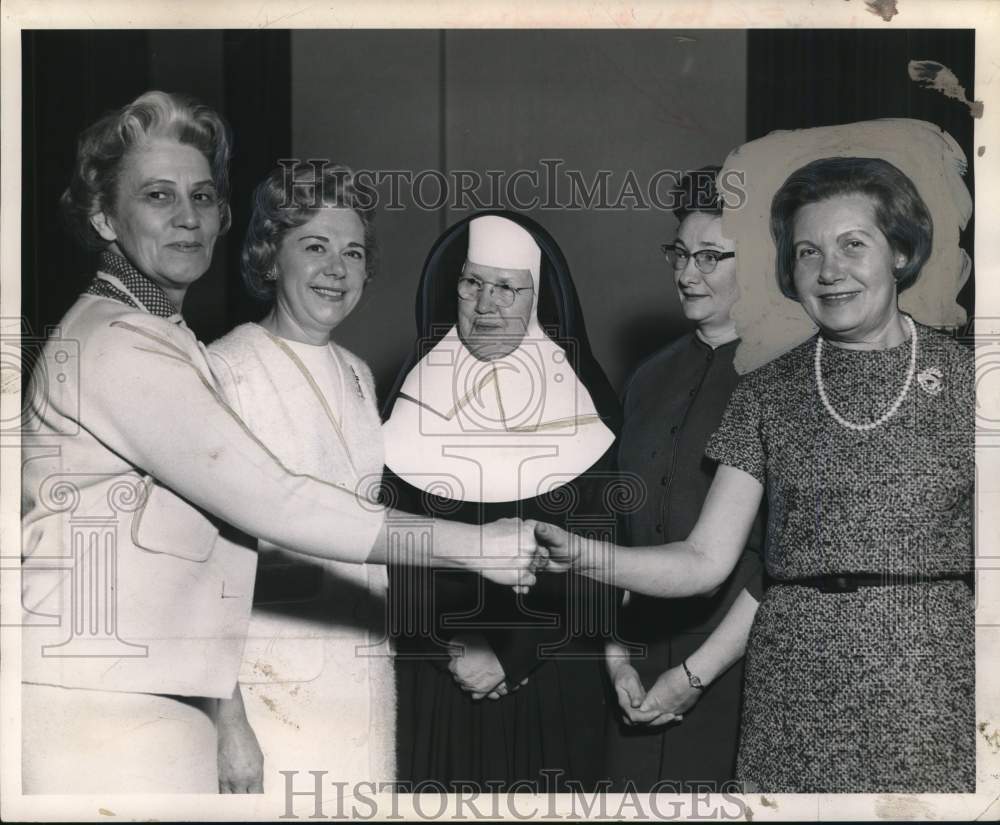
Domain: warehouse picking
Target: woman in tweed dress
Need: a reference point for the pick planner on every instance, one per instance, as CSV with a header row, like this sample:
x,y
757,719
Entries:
x,y
860,665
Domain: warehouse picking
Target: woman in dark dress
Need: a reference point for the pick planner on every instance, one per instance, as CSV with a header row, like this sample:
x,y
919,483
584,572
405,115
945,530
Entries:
x,y
686,653
505,412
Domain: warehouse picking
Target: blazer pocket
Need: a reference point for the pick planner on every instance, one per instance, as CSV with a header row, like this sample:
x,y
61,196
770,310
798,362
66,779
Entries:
x,y
168,524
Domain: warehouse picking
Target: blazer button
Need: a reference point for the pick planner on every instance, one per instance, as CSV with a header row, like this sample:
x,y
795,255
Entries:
x,y
659,528
673,429
663,481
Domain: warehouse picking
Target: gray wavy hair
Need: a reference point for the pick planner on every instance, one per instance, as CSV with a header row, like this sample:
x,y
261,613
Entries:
x,y
102,147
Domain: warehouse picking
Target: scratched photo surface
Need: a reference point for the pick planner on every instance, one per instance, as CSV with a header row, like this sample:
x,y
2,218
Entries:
x,y
287,429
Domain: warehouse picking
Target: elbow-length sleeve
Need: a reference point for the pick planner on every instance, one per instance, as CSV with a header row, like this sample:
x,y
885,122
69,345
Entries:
x,y
738,442
151,401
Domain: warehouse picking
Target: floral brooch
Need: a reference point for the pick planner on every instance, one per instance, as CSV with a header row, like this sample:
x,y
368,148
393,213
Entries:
x,y
931,380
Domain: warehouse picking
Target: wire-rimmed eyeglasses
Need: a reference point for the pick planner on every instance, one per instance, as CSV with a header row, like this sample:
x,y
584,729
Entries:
x,y
470,287
705,259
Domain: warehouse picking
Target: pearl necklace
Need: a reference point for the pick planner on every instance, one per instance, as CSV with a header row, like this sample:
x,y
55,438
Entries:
x,y
895,405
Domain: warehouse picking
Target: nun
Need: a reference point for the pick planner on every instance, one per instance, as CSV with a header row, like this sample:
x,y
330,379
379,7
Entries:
x,y
502,410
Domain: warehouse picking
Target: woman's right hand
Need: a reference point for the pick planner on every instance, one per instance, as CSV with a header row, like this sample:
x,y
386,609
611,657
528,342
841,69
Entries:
x,y
630,693
509,554
239,757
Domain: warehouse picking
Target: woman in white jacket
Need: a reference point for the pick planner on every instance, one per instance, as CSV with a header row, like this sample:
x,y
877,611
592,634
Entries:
x,y
135,606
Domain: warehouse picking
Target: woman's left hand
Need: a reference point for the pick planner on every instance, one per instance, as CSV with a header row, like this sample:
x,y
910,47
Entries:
x,y
669,698
240,759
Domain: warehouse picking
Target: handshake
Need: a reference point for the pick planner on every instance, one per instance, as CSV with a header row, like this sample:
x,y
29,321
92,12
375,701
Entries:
x,y
513,550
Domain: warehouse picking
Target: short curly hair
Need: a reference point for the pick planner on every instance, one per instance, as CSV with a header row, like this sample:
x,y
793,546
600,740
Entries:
x,y
290,196
696,192
900,212
102,147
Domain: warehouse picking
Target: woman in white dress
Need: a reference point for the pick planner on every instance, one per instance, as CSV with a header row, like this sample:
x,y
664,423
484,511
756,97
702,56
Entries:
x,y
317,670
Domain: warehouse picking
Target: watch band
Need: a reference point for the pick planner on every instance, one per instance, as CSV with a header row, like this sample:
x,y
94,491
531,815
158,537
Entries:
x,y
693,680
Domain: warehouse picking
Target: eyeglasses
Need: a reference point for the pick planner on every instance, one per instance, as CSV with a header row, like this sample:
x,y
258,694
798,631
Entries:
x,y
705,259
504,295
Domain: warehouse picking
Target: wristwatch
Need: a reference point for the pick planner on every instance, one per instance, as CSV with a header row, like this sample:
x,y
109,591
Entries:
x,y
693,680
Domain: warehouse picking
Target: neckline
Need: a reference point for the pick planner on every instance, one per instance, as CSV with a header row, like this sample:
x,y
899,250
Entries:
x,y
302,346
698,337
291,341
896,404
831,347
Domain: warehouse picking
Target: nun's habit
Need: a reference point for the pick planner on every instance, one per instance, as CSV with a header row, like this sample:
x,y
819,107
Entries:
x,y
529,435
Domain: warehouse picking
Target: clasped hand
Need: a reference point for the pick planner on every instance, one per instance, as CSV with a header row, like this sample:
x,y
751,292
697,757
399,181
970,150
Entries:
x,y
666,701
514,550
510,553
475,667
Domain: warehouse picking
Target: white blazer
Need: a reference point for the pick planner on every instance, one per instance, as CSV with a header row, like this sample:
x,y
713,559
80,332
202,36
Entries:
x,y
132,461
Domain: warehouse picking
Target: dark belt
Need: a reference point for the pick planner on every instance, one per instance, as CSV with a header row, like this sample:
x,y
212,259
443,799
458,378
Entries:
x,y
851,582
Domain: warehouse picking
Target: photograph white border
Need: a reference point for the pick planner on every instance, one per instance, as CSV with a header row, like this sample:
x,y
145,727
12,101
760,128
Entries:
x,y
983,15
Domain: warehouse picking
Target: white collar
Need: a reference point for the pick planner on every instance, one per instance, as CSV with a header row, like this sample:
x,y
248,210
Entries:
x,y
491,431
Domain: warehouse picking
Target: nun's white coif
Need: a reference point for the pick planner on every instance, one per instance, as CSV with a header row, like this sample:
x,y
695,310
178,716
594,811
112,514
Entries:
x,y
502,430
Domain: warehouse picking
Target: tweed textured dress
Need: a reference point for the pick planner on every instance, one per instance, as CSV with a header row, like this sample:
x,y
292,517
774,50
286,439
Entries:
x,y
870,691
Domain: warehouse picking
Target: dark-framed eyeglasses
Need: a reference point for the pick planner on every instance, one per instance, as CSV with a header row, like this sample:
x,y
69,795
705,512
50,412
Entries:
x,y
705,259
470,286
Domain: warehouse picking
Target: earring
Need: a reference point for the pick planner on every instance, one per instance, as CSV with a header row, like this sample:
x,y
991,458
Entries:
x,y
272,274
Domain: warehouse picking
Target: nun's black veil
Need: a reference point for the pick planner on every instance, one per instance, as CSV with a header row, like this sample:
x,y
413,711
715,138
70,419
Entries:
x,y
556,721
559,312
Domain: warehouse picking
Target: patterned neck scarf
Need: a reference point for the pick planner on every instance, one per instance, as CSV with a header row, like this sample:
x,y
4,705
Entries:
x,y
153,298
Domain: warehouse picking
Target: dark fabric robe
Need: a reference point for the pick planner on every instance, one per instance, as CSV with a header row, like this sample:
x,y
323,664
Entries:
x,y
552,729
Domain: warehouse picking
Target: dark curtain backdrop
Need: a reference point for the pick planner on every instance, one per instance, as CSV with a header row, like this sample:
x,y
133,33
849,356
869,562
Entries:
x,y
797,79
71,78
